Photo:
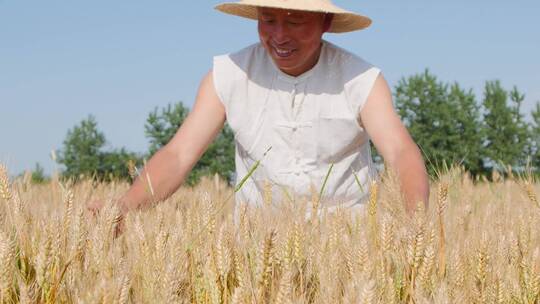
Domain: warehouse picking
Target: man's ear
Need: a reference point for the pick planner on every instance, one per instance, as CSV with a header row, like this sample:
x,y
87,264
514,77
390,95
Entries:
x,y
327,22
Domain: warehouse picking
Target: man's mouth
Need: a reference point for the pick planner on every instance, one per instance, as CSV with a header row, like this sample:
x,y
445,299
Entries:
x,y
283,53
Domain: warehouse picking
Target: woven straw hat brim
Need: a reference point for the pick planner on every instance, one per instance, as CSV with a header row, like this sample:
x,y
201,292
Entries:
x,y
344,21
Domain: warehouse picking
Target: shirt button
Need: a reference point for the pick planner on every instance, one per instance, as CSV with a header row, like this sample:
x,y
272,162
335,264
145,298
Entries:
x,y
294,129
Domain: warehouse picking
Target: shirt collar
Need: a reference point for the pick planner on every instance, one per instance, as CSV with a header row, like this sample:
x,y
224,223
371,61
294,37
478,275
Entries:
x,y
303,77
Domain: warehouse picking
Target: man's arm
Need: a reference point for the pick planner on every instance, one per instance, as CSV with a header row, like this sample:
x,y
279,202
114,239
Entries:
x,y
169,167
395,144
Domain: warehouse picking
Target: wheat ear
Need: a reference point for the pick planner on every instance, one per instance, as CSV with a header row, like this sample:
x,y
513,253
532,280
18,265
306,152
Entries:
x,y
5,187
441,207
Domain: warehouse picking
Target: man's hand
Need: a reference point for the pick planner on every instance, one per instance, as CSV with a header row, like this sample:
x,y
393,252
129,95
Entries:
x,y
94,208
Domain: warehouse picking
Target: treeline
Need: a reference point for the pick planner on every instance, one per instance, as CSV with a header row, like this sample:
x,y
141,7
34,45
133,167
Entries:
x,y
453,127
83,154
449,123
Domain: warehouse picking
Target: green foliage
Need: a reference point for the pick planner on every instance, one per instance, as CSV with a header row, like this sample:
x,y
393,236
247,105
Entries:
x,y
219,157
443,120
38,175
83,154
452,128
114,164
161,126
468,122
535,137
506,132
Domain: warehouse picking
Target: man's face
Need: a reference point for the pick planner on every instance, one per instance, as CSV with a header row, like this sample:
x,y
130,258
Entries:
x,y
291,38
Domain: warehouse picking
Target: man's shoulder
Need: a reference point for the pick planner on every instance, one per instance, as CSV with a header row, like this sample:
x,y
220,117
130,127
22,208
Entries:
x,y
347,64
249,62
344,58
247,53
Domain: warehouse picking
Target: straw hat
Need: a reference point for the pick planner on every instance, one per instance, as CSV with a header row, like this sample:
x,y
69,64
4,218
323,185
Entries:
x,y
344,21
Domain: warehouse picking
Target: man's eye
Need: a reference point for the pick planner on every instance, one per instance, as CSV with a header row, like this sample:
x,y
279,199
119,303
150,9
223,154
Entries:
x,y
269,21
295,23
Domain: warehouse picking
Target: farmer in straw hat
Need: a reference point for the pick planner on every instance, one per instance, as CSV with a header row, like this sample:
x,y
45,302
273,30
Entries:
x,y
299,105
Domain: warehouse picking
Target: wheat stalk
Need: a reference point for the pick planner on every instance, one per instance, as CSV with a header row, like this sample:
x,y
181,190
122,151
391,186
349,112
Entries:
x,y
441,207
321,192
5,186
68,215
372,210
532,195
265,265
7,254
368,293
285,285
124,290
481,266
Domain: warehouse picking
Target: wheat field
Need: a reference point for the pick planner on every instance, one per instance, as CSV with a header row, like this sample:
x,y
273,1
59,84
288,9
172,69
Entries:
x,y
477,243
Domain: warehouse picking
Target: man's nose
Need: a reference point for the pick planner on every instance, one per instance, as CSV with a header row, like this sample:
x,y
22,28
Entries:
x,y
281,35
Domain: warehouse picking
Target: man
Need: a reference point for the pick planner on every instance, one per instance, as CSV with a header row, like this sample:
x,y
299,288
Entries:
x,y
297,104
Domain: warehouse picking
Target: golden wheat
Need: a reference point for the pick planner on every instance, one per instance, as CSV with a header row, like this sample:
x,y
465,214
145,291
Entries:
x,y
479,245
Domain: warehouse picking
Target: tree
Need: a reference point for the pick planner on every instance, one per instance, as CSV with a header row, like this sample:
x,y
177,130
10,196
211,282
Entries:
x,y
468,124
83,154
218,158
114,164
160,127
38,175
443,120
535,137
506,139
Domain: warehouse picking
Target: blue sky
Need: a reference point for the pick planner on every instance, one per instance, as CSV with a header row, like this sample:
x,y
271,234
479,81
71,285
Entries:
x,y
63,60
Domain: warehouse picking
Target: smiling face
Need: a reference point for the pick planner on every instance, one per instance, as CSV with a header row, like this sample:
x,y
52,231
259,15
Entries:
x,y
291,38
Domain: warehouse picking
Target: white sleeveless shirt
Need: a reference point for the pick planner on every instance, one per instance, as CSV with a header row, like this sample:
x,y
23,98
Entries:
x,y
309,122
